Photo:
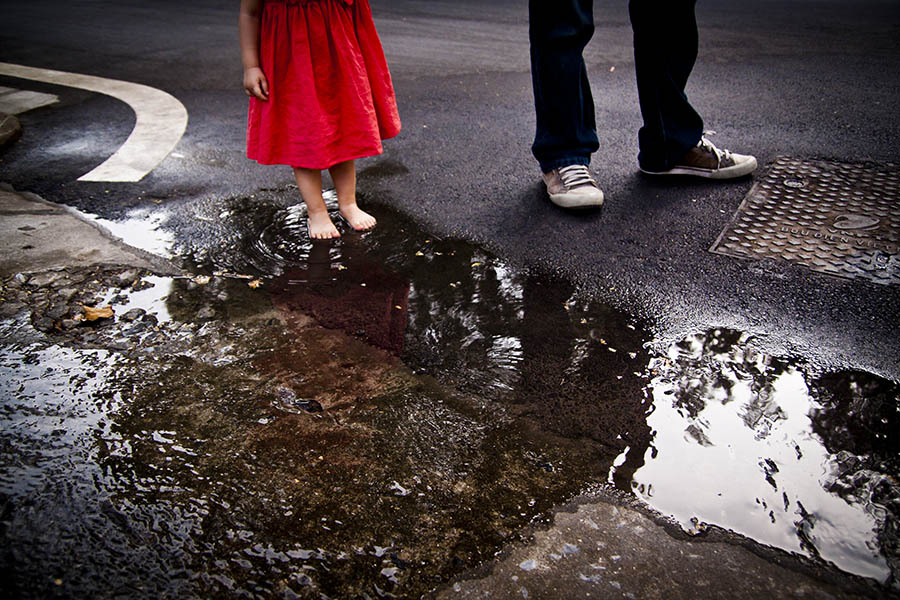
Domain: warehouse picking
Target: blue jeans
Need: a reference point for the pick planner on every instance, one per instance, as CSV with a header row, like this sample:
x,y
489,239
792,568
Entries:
x,y
665,49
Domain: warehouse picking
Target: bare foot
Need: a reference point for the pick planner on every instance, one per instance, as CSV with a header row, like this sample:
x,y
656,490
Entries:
x,y
321,227
358,219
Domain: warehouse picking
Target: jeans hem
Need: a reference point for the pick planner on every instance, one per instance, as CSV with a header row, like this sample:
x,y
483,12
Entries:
x,y
558,163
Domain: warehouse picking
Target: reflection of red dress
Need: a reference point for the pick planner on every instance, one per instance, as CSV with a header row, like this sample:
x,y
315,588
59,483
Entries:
x,y
363,300
330,93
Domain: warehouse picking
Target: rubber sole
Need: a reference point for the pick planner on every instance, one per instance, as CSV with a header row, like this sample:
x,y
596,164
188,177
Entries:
x,y
577,201
732,172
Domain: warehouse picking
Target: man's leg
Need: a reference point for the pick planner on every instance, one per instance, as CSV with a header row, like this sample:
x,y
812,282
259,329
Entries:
x,y
566,132
671,139
665,49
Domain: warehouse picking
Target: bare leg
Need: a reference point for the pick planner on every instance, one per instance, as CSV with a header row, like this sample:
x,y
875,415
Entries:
x,y
310,183
344,177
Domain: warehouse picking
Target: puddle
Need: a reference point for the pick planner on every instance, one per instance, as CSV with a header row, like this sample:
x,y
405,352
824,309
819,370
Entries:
x,y
747,442
152,299
373,416
141,228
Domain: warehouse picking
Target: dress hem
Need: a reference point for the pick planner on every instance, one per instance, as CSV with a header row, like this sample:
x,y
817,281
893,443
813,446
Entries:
x,y
273,162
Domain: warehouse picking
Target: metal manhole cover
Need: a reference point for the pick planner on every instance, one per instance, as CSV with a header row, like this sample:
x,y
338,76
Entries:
x,y
835,218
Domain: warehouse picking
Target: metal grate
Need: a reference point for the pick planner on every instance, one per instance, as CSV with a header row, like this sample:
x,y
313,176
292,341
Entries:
x,y
835,218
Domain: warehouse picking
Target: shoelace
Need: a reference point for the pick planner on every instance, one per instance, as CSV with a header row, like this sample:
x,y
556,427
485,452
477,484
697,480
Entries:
x,y
720,154
574,176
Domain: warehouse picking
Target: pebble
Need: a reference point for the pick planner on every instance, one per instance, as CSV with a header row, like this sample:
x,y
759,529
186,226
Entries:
x,y
46,279
127,278
58,311
66,294
44,324
8,309
134,314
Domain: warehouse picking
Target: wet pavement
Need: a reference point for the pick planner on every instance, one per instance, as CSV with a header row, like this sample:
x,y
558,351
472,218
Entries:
x,y
384,415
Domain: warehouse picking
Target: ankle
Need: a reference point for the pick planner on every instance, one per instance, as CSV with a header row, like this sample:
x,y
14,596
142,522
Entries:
x,y
315,210
351,211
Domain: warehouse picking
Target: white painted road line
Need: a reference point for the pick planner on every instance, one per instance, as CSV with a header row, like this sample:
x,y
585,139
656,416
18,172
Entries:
x,y
160,120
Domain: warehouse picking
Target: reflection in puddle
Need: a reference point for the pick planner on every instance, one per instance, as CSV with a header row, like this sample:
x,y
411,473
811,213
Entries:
x,y
152,298
736,445
387,411
736,428
141,228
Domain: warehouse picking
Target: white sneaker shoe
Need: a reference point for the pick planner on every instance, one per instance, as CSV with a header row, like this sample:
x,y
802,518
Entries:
x,y
573,187
705,160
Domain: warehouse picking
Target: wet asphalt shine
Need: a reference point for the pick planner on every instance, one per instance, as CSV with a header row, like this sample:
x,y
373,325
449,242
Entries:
x,y
399,413
373,416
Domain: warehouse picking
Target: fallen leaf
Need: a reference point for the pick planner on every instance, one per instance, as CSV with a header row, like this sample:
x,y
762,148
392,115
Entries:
x,y
94,314
231,275
254,284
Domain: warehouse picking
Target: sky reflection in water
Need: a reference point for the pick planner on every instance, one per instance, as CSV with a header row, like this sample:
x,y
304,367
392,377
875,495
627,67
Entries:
x,y
734,446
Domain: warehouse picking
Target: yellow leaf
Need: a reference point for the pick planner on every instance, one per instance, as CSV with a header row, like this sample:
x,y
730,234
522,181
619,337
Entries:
x,y
93,314
254,284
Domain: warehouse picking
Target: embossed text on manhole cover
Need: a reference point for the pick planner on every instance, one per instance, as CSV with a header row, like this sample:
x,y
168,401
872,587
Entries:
x,y
836,218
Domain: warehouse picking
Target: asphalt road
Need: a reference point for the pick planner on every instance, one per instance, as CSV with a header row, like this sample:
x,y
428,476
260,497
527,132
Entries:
x,y
803,79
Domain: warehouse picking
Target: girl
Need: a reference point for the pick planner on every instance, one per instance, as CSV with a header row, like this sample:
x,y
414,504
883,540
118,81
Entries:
x,y
320,97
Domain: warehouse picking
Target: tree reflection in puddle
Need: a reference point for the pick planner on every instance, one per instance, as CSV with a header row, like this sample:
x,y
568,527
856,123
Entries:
x,y
738,442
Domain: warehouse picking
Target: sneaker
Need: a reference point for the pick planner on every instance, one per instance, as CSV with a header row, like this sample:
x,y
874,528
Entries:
x,y
573,187
705,160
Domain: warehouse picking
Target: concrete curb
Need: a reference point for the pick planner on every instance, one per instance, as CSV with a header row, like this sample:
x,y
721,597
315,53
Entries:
x,y
37,235
10,130
596,549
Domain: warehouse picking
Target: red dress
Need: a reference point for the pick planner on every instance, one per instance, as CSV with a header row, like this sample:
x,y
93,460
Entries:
x,y
330,93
